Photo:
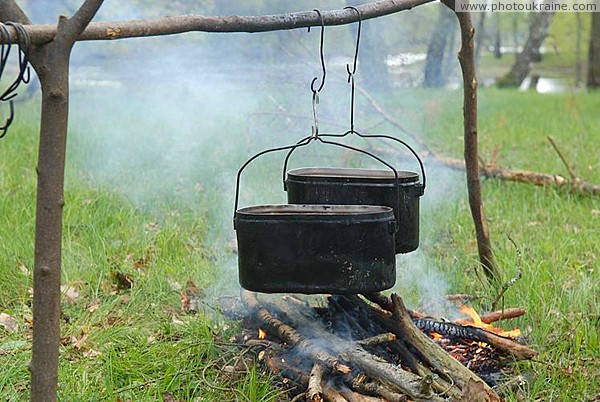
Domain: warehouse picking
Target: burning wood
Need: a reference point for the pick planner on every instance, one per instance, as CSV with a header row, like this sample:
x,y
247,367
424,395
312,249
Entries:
x,y
352,350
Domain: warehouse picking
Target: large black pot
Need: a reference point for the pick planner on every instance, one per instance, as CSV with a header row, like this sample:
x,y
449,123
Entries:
x,y
316,248
363,187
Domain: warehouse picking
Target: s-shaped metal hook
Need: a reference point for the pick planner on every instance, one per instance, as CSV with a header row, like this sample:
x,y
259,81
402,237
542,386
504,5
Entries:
x,y
351,72
315,92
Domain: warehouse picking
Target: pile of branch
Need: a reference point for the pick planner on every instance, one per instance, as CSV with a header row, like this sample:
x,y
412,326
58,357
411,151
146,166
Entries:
x,y
392,360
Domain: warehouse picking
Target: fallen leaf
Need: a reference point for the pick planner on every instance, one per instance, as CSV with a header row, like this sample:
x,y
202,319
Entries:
x,y
190,297
475,391
93,306
91,353
70,293
78,343
23,269
168,397
141,263
8,322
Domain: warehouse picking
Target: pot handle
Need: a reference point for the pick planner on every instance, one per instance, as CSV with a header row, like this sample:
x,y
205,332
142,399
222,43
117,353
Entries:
x,y
301,143
424,180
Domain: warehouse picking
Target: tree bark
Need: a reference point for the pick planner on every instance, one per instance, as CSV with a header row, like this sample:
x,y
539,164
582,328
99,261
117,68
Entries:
x,y
45,33
467,64
537,33
593,73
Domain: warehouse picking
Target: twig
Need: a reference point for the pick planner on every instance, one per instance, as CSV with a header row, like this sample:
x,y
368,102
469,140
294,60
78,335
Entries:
x,y
574,177
513,280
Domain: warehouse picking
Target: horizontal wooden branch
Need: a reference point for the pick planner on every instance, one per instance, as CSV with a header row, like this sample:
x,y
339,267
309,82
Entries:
x,y
44,33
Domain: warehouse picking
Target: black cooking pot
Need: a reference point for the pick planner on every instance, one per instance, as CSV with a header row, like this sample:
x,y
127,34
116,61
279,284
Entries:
x,y
362,187
316,248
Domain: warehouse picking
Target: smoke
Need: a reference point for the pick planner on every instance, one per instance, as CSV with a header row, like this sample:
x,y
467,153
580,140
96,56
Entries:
x,y
175,117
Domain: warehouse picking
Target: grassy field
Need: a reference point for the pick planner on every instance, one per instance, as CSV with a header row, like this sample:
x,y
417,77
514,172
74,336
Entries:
x,y
131,340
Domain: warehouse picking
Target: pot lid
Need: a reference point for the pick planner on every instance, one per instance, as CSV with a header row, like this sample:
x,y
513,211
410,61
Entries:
x,y
352,175
309,212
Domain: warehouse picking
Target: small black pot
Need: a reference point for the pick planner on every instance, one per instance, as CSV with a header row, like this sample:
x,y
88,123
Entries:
x,y
316,248
344,186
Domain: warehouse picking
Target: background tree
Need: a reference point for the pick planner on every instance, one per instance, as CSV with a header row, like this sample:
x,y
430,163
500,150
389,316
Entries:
x,y
438,44
538,30
593,72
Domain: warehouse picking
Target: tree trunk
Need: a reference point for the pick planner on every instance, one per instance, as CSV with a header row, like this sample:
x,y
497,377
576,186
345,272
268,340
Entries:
x,y
434,76
51,62
537,33
593,76
497,37
471,152
54,77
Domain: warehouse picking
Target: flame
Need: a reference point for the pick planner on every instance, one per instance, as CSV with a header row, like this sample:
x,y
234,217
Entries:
x,y
475,321
262,334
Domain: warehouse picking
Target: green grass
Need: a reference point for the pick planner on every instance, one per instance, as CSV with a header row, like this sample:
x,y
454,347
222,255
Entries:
x,y
139,344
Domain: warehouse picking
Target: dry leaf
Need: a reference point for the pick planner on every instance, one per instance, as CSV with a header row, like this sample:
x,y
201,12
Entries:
x,y
91,353
23,269
168,397
190,297
93,306
78,343
70,293
8,322
475,391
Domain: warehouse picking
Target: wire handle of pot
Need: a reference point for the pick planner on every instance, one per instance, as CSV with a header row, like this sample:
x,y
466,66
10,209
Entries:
x,y
303,142
300,143
389,137
23,76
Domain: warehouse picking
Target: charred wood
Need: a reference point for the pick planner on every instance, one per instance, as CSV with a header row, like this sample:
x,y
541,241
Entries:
x,y
390,375
500,343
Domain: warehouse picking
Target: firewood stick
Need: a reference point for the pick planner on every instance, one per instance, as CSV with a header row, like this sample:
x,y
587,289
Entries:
x,y
402,325
333,395
314,390
352,396
377,339
505,314
377,389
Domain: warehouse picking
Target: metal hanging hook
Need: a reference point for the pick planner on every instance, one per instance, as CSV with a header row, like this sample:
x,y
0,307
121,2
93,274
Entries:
x,y
315,92
351,72
312,84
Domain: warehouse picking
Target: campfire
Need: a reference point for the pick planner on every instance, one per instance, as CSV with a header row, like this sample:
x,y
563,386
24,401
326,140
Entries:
x,y
371,348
